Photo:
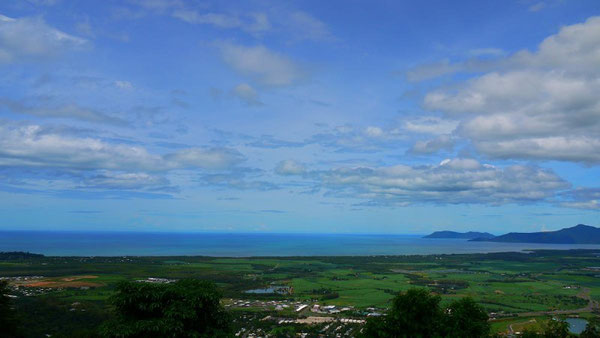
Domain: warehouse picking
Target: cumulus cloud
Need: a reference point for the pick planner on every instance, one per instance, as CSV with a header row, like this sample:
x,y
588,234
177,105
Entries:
x,y
535,105
582,198
261,64
246,94
33,146
453,181
31,38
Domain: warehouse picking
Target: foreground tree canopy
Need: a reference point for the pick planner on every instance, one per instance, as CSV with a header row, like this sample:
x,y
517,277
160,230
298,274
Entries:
x,y
8,317
417,313
187,308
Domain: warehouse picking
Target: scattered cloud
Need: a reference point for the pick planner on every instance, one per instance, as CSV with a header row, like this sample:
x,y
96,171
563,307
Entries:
x,y
34,146
125,85
45,107
582,198
453,181
290,167
351,139
537,7
432,70
246,94
267,67
269,141
445,142
541,105
239,179
127,181
430,125
306,27
255,23
31,38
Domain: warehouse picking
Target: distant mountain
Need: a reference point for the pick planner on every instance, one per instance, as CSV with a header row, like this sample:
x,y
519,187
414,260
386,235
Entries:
x,y
579,234
464,235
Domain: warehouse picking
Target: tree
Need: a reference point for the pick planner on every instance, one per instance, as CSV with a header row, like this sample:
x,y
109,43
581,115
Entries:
x,y
465,318
556,328
417,313
592,329
9,322
187,308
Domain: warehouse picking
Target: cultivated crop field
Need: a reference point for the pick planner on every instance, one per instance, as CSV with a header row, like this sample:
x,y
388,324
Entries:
x,y
515,288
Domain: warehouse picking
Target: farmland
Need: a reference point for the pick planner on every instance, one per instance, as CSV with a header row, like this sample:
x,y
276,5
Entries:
x,y
517,289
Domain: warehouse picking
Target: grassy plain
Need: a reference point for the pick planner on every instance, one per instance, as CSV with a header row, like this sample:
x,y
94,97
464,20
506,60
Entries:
x,y
506,284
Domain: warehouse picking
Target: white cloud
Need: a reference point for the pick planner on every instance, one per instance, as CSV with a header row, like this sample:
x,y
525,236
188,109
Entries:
x,y
127,181
537,7
430,125
32,38
290,167
445,142
125,85
258,62
349,138
453,181
535,105
246,94
219,20
214,158
306,27
255,23
33,146
582,198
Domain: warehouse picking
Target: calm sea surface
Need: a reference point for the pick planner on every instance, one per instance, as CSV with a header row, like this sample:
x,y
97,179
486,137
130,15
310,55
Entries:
x,y
241,245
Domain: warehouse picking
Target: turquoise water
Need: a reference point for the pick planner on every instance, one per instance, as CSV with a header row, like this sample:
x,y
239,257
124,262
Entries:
x,y
246,244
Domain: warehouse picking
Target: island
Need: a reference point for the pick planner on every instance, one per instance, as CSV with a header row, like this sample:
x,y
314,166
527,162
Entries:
x,y
461,235
579,234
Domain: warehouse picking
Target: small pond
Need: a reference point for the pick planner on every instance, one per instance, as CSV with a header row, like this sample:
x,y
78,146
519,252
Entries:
x,y
576,325
271,289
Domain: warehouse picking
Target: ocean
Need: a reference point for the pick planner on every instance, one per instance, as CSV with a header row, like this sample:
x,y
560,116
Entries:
x,y
247,244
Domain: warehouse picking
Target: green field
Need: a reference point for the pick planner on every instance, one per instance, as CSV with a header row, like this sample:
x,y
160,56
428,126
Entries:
x,y
506,284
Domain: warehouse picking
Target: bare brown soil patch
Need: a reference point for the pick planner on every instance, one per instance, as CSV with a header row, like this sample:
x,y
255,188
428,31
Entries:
x,y
66,282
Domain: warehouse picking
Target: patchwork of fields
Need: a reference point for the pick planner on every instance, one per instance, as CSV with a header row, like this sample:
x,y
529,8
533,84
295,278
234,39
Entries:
x,y
530,285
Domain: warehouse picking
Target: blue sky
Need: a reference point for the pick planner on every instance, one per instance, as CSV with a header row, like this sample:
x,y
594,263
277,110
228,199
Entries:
x,y
312,116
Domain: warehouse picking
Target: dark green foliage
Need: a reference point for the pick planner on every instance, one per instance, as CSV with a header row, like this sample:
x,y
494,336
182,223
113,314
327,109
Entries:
x,y
592,330
417,313
556,328
465,318
9,323
47,314
18,255
527,333
187,308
